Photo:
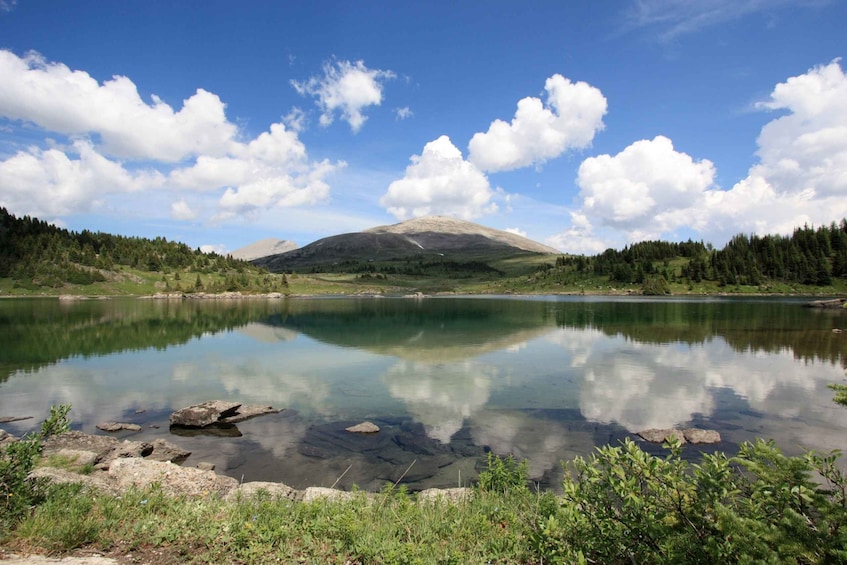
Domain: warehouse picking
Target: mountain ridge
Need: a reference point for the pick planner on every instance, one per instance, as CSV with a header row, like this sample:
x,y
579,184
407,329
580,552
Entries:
x,y
263,248
435,237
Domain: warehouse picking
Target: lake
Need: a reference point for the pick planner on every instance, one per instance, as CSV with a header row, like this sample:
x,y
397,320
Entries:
x,y
446,379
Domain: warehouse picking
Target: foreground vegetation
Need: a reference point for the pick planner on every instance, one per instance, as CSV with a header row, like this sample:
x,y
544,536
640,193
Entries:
x,y
620,505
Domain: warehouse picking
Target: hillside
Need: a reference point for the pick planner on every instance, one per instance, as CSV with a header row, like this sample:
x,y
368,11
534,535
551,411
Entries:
x,y
432,238
38,257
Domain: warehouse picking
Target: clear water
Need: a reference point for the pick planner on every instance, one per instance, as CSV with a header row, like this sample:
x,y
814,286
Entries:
x,y
446,379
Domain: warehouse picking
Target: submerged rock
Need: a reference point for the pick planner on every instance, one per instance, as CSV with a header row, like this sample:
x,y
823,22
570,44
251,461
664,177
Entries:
x,y
693,435
834,303
9,419
688,435
363,428
118,426
247,411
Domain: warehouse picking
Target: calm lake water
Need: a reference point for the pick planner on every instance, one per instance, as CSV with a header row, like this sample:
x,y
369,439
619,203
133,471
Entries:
x,y
447,379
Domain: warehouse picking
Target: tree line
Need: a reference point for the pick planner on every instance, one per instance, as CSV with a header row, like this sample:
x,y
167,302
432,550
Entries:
x,y
809,256
44,255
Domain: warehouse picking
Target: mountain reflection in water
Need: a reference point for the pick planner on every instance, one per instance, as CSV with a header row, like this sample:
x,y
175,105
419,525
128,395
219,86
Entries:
x,y
446,379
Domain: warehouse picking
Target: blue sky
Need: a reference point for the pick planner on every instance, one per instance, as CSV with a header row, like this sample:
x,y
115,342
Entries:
x,y
583,125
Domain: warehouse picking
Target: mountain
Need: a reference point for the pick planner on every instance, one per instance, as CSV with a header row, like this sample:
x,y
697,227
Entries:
x,y
263,248
430,237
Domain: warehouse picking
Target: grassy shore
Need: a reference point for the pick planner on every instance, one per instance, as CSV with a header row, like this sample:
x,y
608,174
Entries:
x,y
620,505
140,283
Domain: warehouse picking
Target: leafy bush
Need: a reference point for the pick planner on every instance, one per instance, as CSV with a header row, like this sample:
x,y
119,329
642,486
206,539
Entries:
x,y
18,492
503,475
624,506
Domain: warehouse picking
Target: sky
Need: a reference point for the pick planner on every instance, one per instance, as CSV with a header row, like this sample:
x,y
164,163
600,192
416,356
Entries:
x,y
582,125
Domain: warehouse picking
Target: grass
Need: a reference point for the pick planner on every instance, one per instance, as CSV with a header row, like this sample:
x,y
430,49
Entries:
x,y
620,505
521,274
390,527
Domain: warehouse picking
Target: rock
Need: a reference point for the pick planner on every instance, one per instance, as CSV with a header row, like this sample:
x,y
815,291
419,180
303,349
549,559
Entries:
x,y
200,415
452,495
164,450
78,456
274,490
247,411
693,435
9,419
173,479
364,428
217,412
315,493
127,449
206,466
118,426
688,435
76,440
6,438
654,435
63,476
834,303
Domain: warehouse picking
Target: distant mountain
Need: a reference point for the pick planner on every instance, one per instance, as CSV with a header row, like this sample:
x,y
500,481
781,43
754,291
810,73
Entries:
x,y
263,248
430,237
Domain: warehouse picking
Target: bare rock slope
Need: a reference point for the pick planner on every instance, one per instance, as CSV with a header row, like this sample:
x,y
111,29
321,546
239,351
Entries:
x,y
263,248
432,236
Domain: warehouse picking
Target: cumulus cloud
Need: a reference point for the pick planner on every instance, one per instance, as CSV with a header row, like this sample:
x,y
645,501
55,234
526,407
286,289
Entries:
x,y
55,98
650,189
118,143
516,231
579,238
403,113
53,182
440,181
347,88
572,114
180,210
641,184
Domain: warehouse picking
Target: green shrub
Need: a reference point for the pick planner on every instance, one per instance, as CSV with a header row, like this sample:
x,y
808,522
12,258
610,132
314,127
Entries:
x,y
18,493
623,505
503,475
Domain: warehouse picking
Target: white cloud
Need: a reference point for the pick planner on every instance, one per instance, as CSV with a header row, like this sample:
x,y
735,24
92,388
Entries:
x,y
579,238
573,113
637,189
180,210
673,18
53,182
650,189
403,113
347,88
118,143
516,231
218,248
58,99
440,181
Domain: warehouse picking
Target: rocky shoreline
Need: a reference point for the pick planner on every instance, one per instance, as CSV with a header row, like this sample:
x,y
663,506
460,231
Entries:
x,y
112,466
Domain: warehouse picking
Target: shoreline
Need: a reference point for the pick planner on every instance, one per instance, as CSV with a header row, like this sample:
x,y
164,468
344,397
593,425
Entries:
x,y
173,296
